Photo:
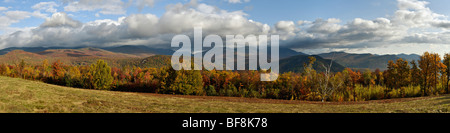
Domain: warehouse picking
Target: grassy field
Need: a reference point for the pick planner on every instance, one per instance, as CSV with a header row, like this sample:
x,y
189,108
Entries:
x,y
18,95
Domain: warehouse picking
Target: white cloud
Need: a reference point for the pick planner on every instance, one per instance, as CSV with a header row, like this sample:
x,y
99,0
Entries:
x,y
413,23
3,8
143,3
182,18
285,29
46,6
61,19
142,25
11,17
412,4
237,1
325,26
116,7
137,29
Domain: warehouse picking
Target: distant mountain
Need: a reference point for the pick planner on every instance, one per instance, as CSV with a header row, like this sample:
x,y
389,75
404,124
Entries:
x,y
142,51
142,56
363,61
84,52
409,57
156,61
296,64
83,56
287,52
31,49
16,56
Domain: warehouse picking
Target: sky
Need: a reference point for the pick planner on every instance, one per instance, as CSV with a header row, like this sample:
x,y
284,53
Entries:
x,y
309,26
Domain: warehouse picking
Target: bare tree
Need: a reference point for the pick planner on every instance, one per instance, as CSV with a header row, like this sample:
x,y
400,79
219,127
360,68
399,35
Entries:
x,y
326,86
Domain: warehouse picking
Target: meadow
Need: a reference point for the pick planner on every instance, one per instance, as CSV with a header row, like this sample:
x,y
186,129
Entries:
x,y
25,96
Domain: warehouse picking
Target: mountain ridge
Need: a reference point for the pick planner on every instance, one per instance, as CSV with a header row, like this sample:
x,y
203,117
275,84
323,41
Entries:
x,y
366,61
350,60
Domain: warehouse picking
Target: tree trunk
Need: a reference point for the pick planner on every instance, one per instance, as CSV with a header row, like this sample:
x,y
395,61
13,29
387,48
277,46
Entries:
x,y
425,86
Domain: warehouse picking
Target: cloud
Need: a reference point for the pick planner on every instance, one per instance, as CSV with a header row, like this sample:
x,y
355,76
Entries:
x,y
412,23
61,20
356,33
285,29
16,16
136,29
3,8
142,25
414,14
181,18
237,1
46,6
9,17
115,7
143,3
325,26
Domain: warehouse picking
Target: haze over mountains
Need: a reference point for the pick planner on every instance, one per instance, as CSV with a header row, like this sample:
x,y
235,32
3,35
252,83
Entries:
x,y
143,56
364,61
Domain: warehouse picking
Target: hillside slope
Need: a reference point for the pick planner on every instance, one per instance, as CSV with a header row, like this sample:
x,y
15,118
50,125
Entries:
x,y
82,56
296,64
22,96
139,50
360,61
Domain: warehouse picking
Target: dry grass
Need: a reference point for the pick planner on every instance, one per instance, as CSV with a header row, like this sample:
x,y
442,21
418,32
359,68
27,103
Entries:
x,y
18,95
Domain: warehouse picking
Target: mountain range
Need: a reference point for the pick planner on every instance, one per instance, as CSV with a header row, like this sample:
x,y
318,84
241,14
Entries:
x,y
296,64
365,61
144,56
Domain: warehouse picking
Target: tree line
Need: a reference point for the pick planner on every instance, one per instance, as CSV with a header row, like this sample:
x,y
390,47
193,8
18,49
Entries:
x,y
427,76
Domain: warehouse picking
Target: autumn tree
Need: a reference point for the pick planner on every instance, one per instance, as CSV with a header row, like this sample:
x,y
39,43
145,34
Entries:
x,y
437,67
379,79
57,70
308,68
45,69
99,76
346,77
443,77
166,77
72,77
403,71
446,71
355,76
389,74
187,82
415,74
5,70
20,68
369,79
430,65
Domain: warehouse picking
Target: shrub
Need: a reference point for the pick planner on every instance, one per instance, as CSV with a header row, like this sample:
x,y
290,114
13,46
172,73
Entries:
x,y
210,91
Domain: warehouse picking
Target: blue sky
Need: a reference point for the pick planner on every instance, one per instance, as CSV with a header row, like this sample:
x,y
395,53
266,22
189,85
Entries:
x,y
266,11
310,26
